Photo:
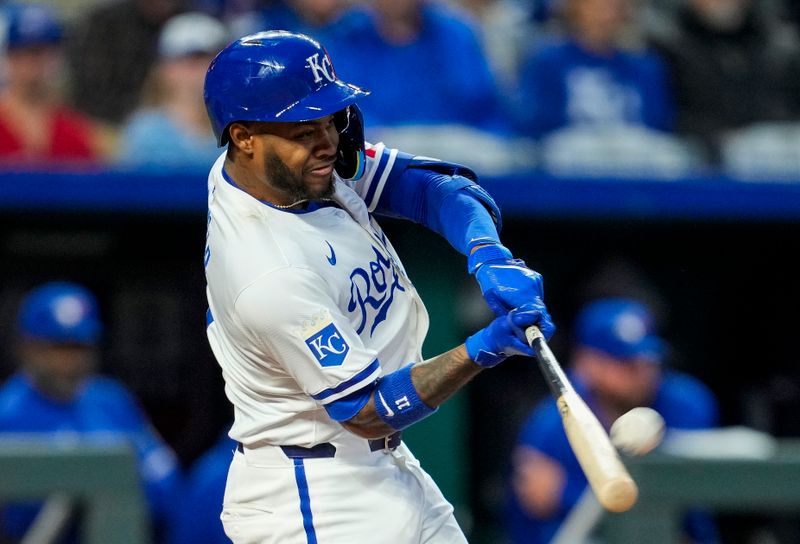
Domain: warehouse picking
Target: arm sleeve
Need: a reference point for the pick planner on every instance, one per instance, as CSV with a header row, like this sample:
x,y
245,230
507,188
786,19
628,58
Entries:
x,y
292,316
441,196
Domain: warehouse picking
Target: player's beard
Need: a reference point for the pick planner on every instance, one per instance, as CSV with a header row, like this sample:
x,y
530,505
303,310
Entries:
x,y
282,178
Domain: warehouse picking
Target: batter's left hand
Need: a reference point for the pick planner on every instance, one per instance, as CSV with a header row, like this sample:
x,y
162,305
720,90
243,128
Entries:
x,y
508,283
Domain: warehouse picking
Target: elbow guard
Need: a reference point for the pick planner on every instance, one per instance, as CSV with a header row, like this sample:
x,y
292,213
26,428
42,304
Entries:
x,y
473,189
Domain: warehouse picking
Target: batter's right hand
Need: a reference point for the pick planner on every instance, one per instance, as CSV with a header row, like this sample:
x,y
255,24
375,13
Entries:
x,y
505,336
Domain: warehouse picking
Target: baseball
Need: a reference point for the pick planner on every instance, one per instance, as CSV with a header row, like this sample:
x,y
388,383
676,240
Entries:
x,y
638,431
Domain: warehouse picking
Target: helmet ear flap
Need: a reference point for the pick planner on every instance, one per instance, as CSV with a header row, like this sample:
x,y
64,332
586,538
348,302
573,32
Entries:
x,y
350,159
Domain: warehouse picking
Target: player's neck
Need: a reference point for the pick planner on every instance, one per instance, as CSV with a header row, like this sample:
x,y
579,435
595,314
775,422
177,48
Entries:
x,y
251,184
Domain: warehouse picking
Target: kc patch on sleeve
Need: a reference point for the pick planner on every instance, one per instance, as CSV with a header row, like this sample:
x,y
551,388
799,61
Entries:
x,y
325,341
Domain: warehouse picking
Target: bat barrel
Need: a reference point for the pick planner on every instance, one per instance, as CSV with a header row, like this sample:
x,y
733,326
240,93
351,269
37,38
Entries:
x,y
618,494
609,479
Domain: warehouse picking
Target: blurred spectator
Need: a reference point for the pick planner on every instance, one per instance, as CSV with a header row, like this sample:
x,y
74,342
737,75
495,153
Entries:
x,y
507,30
310,17
732,65
422,61
56,391
171,128
587,79
616,366
198,518
111,51
35,126
225,9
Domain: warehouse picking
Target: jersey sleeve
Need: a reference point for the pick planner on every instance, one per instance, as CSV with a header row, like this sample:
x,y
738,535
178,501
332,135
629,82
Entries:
x,y
381,164
291,315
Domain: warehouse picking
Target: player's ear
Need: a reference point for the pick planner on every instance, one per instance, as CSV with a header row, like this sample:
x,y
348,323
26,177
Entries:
x,y
241,137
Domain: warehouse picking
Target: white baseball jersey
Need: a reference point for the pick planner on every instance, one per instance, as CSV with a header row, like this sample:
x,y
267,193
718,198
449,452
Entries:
x,y
305,307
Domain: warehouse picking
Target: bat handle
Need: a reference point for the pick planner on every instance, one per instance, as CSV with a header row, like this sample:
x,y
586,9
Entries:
x,y
532,334
556,380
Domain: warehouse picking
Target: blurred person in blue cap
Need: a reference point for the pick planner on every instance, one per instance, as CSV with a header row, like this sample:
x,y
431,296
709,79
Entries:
x,y
35,124
171,126
56,391
616,365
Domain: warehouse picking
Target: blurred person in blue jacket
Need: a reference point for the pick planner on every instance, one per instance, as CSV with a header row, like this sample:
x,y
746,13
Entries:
x,y
171,126
197,519
311,17
587,78
57,392
616,366
422,61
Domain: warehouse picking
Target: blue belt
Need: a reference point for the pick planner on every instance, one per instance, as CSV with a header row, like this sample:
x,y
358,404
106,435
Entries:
x,y
326,449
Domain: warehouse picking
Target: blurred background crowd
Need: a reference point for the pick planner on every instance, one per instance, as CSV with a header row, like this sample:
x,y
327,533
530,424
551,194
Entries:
x,y
661,88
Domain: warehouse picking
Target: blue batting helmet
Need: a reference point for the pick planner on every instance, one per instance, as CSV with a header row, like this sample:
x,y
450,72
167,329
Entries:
x,y
60,312
273,76
620,327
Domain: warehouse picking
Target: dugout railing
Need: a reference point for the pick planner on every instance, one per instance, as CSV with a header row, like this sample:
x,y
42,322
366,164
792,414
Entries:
x,y
670,485
101,481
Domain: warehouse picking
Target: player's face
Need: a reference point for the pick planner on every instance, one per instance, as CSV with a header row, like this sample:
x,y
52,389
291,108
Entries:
x,y
626,384
58,370
297,158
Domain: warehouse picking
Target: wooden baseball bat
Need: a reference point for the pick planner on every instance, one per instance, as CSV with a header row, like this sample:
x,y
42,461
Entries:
x,y
608,477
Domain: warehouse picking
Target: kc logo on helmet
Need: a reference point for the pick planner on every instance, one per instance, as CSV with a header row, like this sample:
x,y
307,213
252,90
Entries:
x,y
321,68
328,346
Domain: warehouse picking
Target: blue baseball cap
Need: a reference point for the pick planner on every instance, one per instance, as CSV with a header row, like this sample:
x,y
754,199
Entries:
x,y
28,25
621,328
60,312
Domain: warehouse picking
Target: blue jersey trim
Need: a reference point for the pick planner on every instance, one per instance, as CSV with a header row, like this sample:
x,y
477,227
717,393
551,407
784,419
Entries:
x,y
376,177
347,407
325,393
209,317
305,501
312,206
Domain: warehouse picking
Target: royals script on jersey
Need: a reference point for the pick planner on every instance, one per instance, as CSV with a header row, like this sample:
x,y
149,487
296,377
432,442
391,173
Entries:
x,y
305,307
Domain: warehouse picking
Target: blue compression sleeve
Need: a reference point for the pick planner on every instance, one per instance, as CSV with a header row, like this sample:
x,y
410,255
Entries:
x,y
450,205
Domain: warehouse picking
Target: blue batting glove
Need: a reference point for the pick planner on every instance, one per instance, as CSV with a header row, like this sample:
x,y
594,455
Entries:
x,y
505,336
508,283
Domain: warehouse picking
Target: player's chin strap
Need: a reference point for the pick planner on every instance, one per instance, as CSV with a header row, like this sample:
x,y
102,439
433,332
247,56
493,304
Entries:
x,y
350,157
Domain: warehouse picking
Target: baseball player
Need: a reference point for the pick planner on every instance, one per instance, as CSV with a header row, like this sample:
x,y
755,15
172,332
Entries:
x,y
616,366
312,317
